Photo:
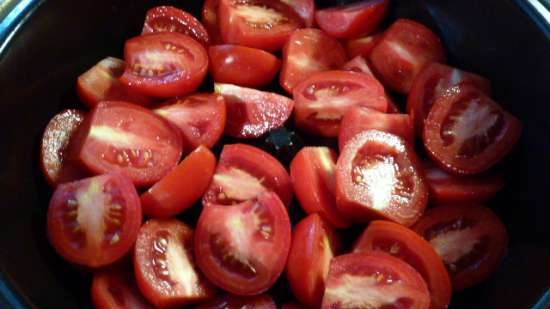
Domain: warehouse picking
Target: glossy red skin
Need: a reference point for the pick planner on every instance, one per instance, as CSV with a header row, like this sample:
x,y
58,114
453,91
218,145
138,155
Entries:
x,y
452,156
321,52
183,60
362,46
167,291
358,64
228,301
115,289
304,8
252,113
312,172
200,117
243,66
55,161
355,200
473,223
390,275
216,227
256,163
408,246
210,20
352,20
77,241
404,50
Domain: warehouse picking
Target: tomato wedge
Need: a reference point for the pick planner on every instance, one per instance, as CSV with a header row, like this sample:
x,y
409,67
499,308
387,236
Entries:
x,y
359,65
229,301
210,20
362,46
115,289
171,19
304,8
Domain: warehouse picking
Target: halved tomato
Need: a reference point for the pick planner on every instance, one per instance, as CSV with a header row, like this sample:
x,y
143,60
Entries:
x,y
467,133
116,289
243,248
228,301
357,64
379,177
251,113
470,239
406,245
94,222
243,173
304,8
324,98
363,46
164,265
374,280
164,64
210,20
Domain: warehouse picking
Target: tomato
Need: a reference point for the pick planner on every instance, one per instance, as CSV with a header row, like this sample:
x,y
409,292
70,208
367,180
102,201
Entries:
x,y
115,289
313,246
245,172
408,246
404,50
304,8
467,133
252,113
229,301
100,83
362,46
352,20
359,65
312,172
194,173
470,239
55,161
374,280
94,222
263,24
164,265
292,306
200,117
243,248
307,52
431,83
210,20
324,98
379,177
164,64
255,67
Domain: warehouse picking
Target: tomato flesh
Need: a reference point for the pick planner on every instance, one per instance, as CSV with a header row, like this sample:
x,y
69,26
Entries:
x,y
362,46
358,64
171,19
115,289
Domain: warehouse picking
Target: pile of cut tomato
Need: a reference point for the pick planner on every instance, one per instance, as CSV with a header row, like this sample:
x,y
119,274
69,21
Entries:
x,y
128,169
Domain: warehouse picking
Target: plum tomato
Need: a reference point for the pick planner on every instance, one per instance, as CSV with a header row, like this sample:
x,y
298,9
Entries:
x,y
116,289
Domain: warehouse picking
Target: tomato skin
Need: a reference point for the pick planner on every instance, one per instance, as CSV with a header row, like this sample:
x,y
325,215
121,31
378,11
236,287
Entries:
x,y
305,9
115,289
228,301
210,20
358,64
171,19
363,46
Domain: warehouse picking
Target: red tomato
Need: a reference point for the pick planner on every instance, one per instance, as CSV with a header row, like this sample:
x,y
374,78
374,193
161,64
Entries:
x,y
229,301
54,149
164,265
251,113
324,98
431,83
115,289
94,221
470,239
243,173
313,247
404,50
466,132
304,8
358,65
379,177
243,248
312,172
200,117
263,24
166,198
210,20
352,20
363,46
374,280
406,245
164,64
243,65
307,52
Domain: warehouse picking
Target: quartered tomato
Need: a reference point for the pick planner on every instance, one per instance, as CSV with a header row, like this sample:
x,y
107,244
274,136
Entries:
x,y
358,65
115,289
470,239
374,280
94,222
324,98
243,173
304,8
251,113
210,20
164,64
313,247
229,301
164,265
363,46
379,176
243,248
408,246
466,132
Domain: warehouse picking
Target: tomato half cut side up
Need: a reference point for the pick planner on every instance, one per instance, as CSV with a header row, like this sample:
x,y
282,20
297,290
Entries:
x,y
164,265
467,133
379,177
94,222
235,245
116,289
408,246
471,240
164,64
228,301
374,280
210,20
